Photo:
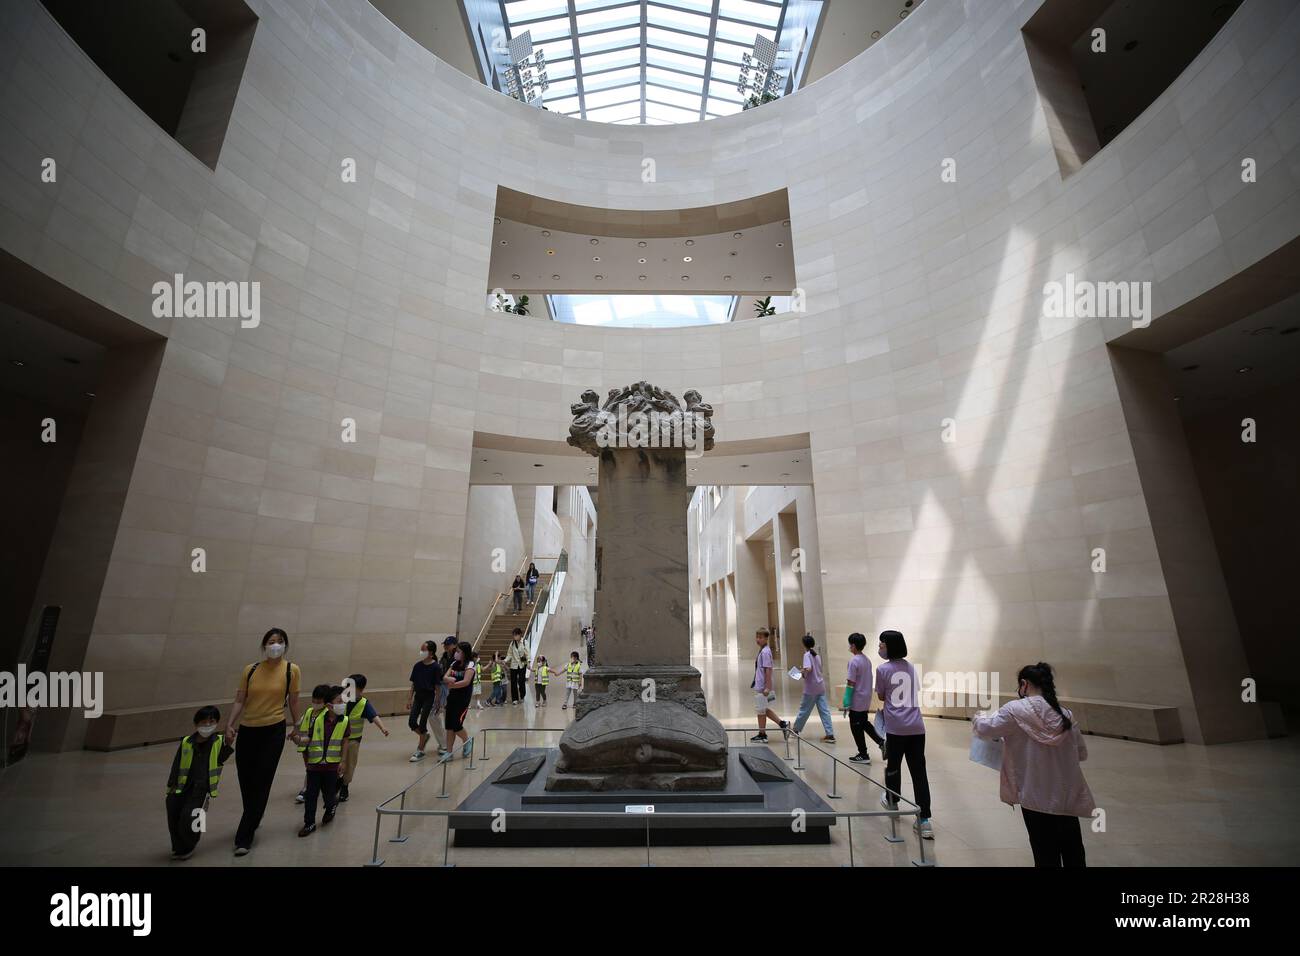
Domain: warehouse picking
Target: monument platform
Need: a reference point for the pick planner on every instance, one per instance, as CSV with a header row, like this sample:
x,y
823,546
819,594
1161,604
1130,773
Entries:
x,y
758,781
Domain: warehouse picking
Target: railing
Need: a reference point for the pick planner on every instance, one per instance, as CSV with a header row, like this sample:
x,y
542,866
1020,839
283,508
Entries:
x,y
542,605
651,819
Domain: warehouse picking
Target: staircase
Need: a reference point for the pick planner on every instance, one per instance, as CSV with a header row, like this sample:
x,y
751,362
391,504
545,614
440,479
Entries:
x,y
497,635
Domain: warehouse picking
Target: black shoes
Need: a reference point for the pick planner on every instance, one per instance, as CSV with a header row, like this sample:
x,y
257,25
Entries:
x,y
307,830
785,728
329,815
759,738
343,793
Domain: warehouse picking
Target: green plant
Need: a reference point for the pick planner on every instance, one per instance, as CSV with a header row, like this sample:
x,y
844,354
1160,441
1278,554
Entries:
x,y
519,308
764,307
755,99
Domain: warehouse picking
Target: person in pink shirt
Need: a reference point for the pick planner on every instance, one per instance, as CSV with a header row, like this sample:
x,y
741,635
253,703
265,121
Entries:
x,y
1042,748
904,729
857,700
814,691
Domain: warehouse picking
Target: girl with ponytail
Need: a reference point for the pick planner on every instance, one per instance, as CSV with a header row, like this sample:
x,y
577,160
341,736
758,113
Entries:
x,y
1042,748
814,691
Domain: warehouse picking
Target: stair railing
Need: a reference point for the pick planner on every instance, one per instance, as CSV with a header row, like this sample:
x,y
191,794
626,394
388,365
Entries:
x,y
496,601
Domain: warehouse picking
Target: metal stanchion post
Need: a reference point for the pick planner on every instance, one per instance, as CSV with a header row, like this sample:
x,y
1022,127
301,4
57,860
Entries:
x,y
444,795
920,845
485,755
374,853
835,766
446,841
850,821
647,840
400,820
893,829
798,749
787,746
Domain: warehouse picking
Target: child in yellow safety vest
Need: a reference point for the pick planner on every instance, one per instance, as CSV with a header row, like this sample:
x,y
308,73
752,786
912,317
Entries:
x,y
304,730
572,681
541,677
478,689
360,710
497,673
196,770
325,744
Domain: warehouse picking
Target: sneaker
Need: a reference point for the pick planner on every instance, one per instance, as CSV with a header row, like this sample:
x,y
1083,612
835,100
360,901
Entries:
x,y
887,803
785,728
923,827
329,815
241,851
829,740
445,757
343,793
758,739
417,756
564,707
860,758
302,795
179,857
307,830
443,751
469,746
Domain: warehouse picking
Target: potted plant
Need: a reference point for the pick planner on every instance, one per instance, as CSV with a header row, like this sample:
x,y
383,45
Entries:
x,y
519,308
764,307
756,99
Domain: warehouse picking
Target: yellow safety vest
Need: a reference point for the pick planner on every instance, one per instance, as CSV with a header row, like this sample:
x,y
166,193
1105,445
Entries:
x,y
543,674
318,750
187,758
355,720
477,679
304,725
496,673
573,672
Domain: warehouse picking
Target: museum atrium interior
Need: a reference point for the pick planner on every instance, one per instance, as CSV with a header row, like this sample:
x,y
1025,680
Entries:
x,y
312,310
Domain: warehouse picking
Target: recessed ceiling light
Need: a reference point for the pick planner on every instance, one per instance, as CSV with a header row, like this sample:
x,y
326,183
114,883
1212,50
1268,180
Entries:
x,y
735,235
594,242
686,258
1245,368
515,276
504,242
875,34
642,278
497,220
641,260
744,466
90,394
555,277
902,14
546,232
1190,368
690,242
536,465
684,278
484,460
785,222
767,278
18,362
1178,398
595,258
550,252
641,244
794,461
599,278
726,278
785,474
780,245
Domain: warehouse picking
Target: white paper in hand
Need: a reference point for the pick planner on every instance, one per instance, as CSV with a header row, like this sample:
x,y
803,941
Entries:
x,y
986,753
796,673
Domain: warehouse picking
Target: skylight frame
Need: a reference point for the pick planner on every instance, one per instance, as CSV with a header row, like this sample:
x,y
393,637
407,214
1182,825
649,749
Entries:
x,y
683,33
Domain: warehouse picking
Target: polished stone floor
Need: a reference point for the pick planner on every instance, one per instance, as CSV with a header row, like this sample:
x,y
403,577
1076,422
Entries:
x,y
1165,806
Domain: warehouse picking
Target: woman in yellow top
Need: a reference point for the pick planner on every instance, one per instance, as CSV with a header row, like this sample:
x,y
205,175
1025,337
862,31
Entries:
x,y
257,720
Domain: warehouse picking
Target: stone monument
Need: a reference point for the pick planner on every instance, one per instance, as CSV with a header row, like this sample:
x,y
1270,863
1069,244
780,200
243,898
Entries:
x,y
642,723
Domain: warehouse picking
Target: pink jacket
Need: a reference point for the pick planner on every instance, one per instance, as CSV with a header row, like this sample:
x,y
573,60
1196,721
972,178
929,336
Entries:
x,y
1040,759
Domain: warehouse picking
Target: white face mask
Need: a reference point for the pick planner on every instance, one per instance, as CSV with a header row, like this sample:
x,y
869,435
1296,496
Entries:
x,y
340,709
275,651
207,730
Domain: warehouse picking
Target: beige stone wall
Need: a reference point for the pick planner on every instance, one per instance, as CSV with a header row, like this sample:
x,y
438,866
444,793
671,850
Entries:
x,y
924,302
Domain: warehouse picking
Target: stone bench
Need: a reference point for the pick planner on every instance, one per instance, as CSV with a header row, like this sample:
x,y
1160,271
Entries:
x,y
138,726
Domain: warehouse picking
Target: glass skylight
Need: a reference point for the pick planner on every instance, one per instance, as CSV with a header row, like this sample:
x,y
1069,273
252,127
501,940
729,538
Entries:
x,y
625,61
642,311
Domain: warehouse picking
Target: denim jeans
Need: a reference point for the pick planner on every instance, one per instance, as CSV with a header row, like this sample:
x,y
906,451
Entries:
x,y
518,600
823,711
532,591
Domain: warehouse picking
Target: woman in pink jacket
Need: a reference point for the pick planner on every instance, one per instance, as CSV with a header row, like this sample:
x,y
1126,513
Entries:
x,y
1041,751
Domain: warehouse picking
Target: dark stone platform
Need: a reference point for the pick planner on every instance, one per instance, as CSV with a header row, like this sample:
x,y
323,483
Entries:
x,y
758,781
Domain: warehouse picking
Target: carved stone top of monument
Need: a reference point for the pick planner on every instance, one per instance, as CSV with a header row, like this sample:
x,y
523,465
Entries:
x,y
641,415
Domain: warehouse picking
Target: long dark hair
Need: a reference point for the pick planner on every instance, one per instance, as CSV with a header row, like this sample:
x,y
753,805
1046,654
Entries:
x,y
272,633
1040,675
809,643
466,652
